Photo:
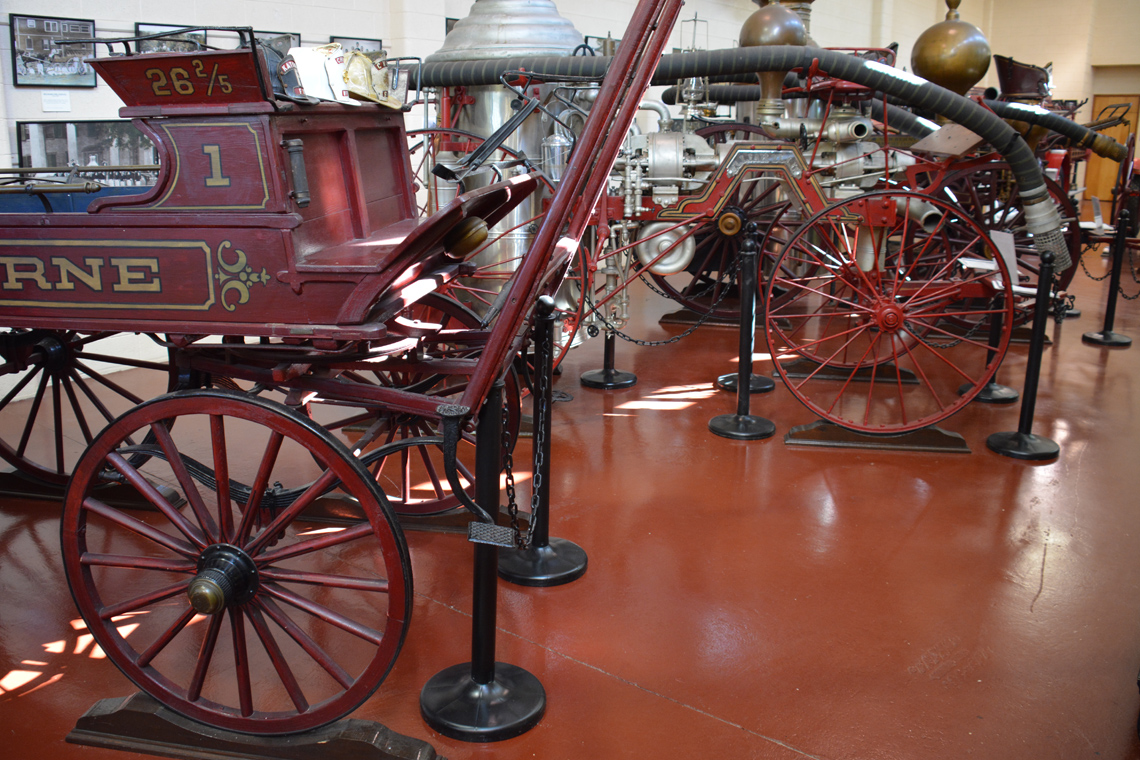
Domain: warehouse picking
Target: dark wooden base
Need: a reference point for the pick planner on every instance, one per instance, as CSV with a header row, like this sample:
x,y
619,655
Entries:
x,y
822,433
140,724
16,485
688,317
801,368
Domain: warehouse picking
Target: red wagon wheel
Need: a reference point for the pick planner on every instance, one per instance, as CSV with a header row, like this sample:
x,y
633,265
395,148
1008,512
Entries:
x,y
988,194
882,309
414,480
60,388
236,611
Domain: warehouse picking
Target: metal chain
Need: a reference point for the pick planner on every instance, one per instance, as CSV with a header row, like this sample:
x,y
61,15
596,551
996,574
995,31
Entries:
x,y
1132,272
1084,266
1106,275
540,391
973,331
688,331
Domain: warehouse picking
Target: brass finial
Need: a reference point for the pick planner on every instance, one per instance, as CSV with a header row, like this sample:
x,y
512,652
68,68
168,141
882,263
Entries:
x,y
952,14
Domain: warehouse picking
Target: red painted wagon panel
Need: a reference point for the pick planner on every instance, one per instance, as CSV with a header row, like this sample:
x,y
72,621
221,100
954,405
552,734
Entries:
x,y
210,77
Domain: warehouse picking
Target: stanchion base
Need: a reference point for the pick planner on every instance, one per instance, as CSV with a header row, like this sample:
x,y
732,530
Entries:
x,y
559,562
756,383
1107,338
830,435
991,393
456,706
742,427
1027,446
140,724
608,379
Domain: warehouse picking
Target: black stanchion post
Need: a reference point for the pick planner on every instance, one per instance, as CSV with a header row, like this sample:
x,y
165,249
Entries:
x,y
993,392
1106,337
1023,444
607,378
483,700
545,561
742,425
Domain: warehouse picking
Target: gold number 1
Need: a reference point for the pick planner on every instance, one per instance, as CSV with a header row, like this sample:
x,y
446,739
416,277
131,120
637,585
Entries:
x,y
216,179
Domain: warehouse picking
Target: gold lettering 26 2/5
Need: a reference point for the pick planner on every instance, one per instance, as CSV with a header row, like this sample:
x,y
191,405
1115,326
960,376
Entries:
x,y
177,81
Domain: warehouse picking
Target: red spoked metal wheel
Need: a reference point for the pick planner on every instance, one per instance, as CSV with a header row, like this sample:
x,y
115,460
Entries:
x,y
709,284
61,388
236,611
988,194
883,309
413,479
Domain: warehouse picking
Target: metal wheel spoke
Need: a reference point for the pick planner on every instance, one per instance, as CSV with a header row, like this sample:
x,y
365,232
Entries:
x,y
922,374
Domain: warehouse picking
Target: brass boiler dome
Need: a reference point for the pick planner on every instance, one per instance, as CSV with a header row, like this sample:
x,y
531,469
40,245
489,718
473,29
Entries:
x,y
773,24
952,53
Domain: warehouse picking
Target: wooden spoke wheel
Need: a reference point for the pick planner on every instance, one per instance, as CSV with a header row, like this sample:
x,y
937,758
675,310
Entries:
x,y
710,282
414,480
60,388
882,314
988,194
235,610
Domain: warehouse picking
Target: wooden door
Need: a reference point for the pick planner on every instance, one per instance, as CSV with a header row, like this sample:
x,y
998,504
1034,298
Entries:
x,y
1100,177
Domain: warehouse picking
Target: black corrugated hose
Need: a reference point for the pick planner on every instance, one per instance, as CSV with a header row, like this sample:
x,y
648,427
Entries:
x,y
1042,218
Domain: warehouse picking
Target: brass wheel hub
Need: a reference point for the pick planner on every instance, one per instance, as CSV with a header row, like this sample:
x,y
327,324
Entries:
x,y
226,575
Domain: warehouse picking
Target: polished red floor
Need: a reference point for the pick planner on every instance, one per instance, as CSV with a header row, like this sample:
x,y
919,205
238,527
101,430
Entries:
x,y
754,599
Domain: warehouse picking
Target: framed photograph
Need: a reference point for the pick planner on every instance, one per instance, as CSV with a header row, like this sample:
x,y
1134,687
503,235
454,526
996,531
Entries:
x,y
41,55
62,145
175,43
295,42
363,44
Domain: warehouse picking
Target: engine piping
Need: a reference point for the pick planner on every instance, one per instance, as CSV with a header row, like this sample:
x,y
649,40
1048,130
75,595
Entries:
x,y
1042,217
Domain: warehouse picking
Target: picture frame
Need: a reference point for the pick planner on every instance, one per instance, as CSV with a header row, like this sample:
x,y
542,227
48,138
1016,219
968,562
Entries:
x,y
38,61
296,41
363,44
106,143
182,43
448,25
